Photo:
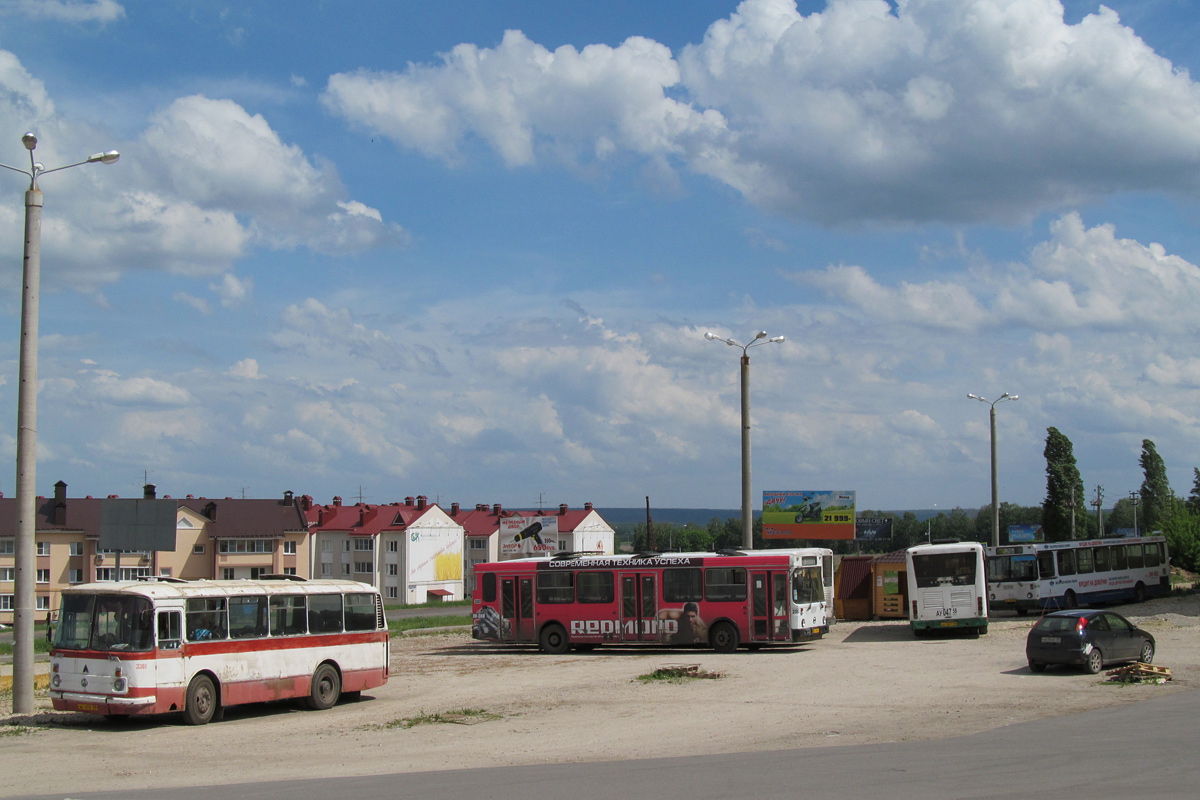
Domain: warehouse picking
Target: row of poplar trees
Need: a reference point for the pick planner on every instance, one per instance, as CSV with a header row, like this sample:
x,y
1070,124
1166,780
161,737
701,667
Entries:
x,y
1065,509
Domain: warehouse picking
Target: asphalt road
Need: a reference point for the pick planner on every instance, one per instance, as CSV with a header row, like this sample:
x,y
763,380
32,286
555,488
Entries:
x,y
1143,750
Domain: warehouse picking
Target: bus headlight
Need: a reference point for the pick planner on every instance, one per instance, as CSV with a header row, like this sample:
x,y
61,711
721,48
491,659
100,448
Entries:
x,y
55,680
120,684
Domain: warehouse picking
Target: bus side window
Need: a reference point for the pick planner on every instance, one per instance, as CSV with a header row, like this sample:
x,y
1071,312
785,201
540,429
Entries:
x,y
1153,555
1101,554
489,587
1135,555
1066,562
1118,557
170,630
1083,560
1045,565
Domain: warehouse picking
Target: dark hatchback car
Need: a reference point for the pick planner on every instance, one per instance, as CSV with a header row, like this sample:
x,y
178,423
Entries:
x,y
1090,637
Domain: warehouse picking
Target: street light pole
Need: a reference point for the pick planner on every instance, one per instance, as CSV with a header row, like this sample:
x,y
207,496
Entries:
x,y
24,600
995,479
747,503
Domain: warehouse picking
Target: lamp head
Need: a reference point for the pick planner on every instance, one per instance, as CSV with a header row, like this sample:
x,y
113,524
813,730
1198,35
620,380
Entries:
x,y
29,140
760,335
107,157
710,336
777,339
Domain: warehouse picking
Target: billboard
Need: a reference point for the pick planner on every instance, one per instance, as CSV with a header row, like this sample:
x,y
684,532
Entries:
x,y
435,555
873,529
808,515
1025,533
528,536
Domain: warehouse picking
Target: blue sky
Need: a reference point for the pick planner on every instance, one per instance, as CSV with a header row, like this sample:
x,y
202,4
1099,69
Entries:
x,y
470,249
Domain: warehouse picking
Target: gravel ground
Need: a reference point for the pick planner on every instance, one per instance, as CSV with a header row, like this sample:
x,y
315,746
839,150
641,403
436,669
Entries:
x,y
868,682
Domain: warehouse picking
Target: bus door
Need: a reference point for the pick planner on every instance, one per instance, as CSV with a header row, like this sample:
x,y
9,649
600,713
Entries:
x,y
168,664
769,606
639,607
516,609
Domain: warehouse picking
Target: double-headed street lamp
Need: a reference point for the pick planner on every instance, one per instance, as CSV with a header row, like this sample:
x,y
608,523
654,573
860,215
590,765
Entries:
x,y
747,507
995,484
26,528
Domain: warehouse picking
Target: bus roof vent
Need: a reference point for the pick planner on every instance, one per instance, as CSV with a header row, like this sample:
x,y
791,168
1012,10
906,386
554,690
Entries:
x,y
729,551
162,579
946,541
648,554
275,576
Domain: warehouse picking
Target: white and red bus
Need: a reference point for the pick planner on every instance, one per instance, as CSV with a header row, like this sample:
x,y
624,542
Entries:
x,y
197,647
719,600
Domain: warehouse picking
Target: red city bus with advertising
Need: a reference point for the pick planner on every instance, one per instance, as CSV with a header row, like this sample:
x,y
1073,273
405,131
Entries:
x,y
197,647
720,600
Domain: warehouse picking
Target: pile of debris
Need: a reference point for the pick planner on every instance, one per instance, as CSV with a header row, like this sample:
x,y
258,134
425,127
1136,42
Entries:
x,y
1139,673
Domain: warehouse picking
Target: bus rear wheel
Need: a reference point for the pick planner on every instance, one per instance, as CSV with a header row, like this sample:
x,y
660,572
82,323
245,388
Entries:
x,y
554,640
724,638
1139,592
326,688
1069,600
201,701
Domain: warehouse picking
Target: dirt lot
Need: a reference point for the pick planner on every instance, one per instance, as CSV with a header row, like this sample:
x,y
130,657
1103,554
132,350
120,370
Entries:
x,y
868,682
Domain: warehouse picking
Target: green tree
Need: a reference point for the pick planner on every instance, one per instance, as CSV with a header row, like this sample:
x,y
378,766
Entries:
x,y
1156,491
1064,489
1193,501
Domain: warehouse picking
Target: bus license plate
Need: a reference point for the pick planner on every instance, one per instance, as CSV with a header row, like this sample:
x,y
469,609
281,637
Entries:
x,y
1051,639
88,707
949,624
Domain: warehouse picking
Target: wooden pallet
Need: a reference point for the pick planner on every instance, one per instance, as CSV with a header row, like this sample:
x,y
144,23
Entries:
x,y
1132,673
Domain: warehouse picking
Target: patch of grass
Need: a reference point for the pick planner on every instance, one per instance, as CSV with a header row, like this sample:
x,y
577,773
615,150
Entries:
x,y
40,645
678,674
416,623
461,716
430,604
15,730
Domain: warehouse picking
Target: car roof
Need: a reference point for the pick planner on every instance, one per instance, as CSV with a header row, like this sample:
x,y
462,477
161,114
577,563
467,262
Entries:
x,y
1077,612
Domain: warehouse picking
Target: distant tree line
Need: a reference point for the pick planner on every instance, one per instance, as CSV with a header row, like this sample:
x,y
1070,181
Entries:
x,y
1063,514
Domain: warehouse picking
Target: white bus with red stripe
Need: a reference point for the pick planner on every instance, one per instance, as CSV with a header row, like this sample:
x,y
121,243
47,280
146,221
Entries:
x,y
197,647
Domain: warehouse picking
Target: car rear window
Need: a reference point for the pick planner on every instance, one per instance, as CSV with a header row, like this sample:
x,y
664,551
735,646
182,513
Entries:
x,y
1049,624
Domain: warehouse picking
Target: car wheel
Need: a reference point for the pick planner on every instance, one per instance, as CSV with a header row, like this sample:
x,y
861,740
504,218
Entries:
x,y
1147,654
1037,666
1095,661
201,701
326,688
724,638
554,640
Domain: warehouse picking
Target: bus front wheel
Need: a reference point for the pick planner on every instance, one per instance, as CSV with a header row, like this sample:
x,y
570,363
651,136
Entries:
x,y
554,640
1139,592
201,701
724,638
326,688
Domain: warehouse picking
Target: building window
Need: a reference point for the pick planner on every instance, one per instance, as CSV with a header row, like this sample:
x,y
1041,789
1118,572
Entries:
x,y
393,569
7,573
478,544
393,546
6,546
43,576
345,569
326,570
43,602
359,566
289,570
364,545
257,572
6,602
104,573
43,548
246,546
76,548
289,548
346,545
134,573
164,571
75,576
227,573
392,592
197,549
327,545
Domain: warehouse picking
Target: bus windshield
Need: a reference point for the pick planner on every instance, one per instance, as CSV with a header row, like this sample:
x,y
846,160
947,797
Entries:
x,y
104,622
1012,568
940,569
807,586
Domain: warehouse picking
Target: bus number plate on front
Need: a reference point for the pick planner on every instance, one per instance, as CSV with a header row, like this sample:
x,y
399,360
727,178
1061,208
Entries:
x,y
88,707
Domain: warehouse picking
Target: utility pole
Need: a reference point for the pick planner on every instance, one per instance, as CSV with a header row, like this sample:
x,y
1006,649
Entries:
x,y
1134,497
1099,504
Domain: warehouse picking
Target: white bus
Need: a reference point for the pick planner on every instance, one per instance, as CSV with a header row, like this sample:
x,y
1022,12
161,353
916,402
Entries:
x,y
947,587
812,589
1067,574
197,647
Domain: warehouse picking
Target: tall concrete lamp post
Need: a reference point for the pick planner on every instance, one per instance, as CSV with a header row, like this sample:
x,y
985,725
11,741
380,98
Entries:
x,y
26,528
747,506
995,483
